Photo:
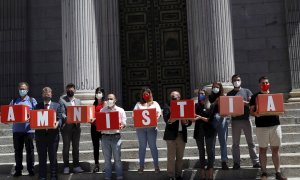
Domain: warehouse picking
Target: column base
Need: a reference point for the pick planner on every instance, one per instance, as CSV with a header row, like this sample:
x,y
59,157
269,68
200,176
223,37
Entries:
x,y
87,97
294,96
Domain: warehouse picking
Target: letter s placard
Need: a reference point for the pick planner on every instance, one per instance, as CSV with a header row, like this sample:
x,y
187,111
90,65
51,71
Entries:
x,y
145,118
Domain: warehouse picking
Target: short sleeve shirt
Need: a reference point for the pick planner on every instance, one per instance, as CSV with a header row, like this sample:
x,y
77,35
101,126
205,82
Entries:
x,y
246,94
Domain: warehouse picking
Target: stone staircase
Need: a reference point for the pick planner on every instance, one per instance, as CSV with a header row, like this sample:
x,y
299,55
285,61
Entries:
x,y
290,154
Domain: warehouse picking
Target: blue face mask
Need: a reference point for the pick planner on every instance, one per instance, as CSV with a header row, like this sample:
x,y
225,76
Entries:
x,y
201,97
23,92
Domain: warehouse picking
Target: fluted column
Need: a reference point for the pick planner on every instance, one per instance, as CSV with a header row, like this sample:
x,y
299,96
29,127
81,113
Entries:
x,y
13,46
109,46
293,33
80,47
210,42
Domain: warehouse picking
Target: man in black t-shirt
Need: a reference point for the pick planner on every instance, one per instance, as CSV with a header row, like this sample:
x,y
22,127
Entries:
x,y
240,123
268,131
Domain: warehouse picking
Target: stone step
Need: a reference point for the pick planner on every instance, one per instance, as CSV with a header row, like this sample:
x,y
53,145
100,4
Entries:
x,y
292,172
85,130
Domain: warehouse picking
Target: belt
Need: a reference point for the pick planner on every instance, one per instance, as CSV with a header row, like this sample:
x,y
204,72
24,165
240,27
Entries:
x,y
116,134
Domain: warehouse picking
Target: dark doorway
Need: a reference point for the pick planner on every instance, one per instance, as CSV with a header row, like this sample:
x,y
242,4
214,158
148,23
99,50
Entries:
x,y
154,49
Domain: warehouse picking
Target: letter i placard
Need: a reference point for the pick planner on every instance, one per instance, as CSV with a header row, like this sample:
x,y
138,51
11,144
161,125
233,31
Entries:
x,y
14,113
182,109
42,119
231,106
270,104
106,121
145,118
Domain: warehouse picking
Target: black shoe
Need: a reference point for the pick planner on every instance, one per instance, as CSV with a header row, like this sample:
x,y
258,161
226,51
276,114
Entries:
x,y
17,174
96,168
224,166
279,176
264,175
257,165
30,173
178,178
171,178
236,166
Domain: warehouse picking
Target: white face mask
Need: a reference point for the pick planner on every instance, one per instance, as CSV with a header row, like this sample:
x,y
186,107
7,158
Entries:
x,y
23,92
110,103
237,83
99,95
215,90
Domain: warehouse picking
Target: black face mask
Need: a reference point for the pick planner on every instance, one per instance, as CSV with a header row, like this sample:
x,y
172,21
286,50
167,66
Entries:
x,y
70,93
46,98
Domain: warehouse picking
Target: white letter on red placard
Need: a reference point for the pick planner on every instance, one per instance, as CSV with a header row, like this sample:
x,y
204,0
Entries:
x,y
181,104
230,104
77,114
146,121
11,115
271,106
42,118
107,120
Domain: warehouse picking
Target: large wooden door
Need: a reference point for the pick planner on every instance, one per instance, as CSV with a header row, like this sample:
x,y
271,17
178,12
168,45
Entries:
x,y
154,48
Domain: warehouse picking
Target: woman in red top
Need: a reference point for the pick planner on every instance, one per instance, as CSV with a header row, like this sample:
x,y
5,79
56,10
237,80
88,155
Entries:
x,y
99,103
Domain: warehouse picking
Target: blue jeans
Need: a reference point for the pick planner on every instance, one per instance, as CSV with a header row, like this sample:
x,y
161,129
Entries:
x,y
111,145
222,131
147,135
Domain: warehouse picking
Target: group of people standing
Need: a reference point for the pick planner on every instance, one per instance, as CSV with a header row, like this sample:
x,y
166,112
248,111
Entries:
x,y
208,125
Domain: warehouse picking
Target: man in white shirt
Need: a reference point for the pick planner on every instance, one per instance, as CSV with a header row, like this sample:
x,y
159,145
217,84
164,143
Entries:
x,y
111,140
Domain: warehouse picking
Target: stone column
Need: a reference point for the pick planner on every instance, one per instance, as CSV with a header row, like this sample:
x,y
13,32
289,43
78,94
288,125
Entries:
x,y
80,47
293,33
91,46
109,46
210,42
14,66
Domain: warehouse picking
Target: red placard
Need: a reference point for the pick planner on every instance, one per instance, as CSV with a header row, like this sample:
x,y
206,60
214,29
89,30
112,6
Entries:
x,y
269,104
182,109
80,114
106,121
14,113
42,119
145,118
231,105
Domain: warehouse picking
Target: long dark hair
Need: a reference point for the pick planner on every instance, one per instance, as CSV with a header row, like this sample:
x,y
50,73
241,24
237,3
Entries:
x,y
145,89
212,97
99,89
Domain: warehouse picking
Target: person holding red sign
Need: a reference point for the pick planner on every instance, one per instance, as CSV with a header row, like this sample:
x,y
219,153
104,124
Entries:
x,y
22,134
47,139
111,140
99,103
268,131
147,135
220,123
240,123
176,137
204,132
70,132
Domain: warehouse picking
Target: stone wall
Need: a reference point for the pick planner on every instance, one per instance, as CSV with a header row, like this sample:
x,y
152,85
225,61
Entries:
x,y
260,43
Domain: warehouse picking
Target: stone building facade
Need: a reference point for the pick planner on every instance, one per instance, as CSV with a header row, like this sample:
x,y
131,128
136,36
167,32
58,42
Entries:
x,y
123,45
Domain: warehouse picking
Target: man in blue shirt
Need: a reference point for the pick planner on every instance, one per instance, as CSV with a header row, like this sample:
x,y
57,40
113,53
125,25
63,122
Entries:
x,y
22,134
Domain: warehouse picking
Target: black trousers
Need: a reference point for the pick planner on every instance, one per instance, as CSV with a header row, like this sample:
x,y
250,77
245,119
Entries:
x,y
208,143
96,137
19,139
71,133
47,142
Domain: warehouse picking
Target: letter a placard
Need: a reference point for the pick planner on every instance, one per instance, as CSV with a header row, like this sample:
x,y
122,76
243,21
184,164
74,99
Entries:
x,y
80,114
144,118
182,109
106,121
42,119
269,104
231,106
14,113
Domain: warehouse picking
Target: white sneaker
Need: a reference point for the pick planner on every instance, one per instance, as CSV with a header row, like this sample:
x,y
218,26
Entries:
x,y
78,170
66,170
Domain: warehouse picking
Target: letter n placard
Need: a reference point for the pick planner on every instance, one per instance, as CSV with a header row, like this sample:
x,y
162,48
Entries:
x,y
182,109
145,118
